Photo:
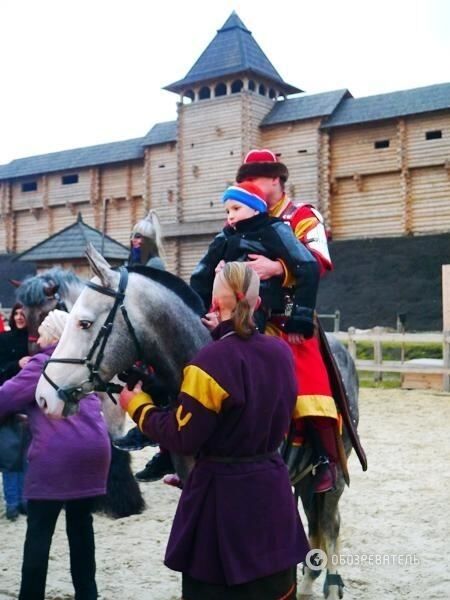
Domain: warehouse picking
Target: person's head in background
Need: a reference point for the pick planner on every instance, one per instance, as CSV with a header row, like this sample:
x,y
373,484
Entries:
x,y
263,168
17,318
236,296
51,328
146,239
243,201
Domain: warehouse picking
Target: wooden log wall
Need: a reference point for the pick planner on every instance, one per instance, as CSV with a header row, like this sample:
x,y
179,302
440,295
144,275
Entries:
x,y
210,144
353,150
368,207
298,144
161,169
422,152
430,200
191,250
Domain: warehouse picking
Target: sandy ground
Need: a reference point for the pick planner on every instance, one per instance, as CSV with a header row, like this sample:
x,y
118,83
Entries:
x,y
398,509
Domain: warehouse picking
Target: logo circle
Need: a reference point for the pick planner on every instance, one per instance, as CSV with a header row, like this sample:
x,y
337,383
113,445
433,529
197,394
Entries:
x,y
316,559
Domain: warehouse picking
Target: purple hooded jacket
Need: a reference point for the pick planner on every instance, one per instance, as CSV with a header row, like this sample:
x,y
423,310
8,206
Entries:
x,y
68,458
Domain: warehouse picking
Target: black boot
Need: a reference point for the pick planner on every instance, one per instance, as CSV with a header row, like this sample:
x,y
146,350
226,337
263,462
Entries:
x,y
160,465
133,440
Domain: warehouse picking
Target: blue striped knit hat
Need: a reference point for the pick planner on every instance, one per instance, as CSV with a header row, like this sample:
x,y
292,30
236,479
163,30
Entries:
x,y
247,193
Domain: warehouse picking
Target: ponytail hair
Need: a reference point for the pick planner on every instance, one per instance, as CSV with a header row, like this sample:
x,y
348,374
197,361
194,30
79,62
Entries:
x,y
241,279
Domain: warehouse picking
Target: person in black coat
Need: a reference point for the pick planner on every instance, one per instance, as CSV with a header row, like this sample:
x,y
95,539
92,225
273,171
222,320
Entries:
x,y
14,345
13,357
251,231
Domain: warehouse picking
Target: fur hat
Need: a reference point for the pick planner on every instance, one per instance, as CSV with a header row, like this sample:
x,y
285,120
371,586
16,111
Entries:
x,y
261,163
52,326
247,193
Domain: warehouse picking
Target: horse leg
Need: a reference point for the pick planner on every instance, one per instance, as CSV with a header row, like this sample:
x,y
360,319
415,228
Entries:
x,y
312,507
329,525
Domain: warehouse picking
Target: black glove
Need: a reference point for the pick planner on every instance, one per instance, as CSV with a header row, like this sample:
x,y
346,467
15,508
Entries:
x,y
150,384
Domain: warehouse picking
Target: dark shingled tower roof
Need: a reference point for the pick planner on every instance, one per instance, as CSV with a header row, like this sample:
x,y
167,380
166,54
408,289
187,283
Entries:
x,y
232,52
71,242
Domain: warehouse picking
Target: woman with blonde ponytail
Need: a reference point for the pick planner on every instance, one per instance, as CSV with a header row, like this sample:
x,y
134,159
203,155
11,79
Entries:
x,y
237,532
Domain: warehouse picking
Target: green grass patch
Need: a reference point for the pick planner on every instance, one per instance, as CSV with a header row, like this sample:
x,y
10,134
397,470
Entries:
x,y
397,351
389,381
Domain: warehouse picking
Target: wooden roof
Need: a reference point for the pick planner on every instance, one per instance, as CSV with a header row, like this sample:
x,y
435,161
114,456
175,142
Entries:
x,y
305,107
74,159
161,133
71,242
388,106
232,52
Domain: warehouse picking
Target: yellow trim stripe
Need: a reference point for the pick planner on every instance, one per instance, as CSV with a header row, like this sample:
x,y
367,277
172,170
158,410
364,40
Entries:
x,y
305,225
182,421
200,385
289,280
144,413
279,207
315,405
141,399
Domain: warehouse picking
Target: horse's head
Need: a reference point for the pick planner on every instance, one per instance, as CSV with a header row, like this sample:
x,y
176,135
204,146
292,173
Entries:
x,y
96,327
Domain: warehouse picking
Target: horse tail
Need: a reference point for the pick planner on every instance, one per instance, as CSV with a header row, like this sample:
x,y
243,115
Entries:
x,y
123,495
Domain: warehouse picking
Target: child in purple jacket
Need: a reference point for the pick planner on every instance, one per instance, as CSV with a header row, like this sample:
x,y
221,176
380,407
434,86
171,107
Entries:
x,y
68,463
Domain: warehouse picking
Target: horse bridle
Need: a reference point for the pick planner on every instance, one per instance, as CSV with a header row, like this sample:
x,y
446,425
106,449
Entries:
x,y
69,394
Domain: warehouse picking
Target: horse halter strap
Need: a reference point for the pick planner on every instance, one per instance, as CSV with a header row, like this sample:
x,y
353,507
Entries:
x,y
69,394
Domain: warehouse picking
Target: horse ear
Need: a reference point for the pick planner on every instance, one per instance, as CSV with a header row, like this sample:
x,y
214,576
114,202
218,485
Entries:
x,y
15,282
99,265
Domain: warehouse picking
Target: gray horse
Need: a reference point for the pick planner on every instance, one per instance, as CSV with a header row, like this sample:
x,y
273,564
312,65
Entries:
x,y
150,317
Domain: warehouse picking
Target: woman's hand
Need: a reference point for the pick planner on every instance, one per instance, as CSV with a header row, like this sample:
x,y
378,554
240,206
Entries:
x,y
211,320
219,267
24,361
126,395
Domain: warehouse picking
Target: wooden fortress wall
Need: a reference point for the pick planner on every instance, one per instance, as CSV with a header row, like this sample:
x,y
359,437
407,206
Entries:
x,y
373,180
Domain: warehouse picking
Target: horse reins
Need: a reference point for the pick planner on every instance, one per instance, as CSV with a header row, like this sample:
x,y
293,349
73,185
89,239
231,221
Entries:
x,y
68,395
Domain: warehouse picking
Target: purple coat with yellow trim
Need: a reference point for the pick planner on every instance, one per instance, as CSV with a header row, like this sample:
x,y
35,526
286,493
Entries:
x,y
236,521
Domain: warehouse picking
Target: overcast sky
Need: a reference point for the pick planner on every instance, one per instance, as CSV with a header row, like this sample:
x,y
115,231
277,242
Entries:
x,y
81,72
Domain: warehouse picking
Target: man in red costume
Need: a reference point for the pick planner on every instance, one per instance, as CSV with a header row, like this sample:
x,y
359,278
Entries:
x,y
316,413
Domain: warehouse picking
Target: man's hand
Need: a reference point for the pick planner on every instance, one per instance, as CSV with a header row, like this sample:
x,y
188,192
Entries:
x,y
295,338
264,267
126,395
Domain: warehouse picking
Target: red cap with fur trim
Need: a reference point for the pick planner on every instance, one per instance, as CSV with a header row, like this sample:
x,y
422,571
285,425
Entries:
x,y
261,163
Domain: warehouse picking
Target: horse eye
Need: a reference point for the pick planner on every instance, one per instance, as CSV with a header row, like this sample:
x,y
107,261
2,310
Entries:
x,y
85,324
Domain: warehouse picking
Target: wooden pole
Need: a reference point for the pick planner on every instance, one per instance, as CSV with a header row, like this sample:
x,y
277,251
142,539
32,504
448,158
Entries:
x,y
377,354
446,324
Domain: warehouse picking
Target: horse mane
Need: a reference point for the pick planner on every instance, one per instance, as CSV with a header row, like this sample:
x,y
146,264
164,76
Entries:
x,y
32,290
173,283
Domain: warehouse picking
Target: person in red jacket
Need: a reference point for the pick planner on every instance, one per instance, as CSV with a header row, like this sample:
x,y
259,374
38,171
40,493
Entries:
x,y
316,407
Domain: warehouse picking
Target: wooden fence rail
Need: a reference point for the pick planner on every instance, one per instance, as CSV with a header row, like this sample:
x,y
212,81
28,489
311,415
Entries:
x,y
378,336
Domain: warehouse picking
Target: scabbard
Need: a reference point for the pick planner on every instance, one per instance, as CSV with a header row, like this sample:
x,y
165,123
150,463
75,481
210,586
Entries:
x,y
340,396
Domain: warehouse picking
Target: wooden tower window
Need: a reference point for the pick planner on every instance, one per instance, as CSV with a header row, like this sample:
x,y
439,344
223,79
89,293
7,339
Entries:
x,y
237,86
69,179
220,89
190,95
272,94
251,85
29,186
381,144
204,93
433,135
262,89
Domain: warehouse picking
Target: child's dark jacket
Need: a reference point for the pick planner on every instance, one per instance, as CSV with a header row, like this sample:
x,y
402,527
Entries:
x,y
269,237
